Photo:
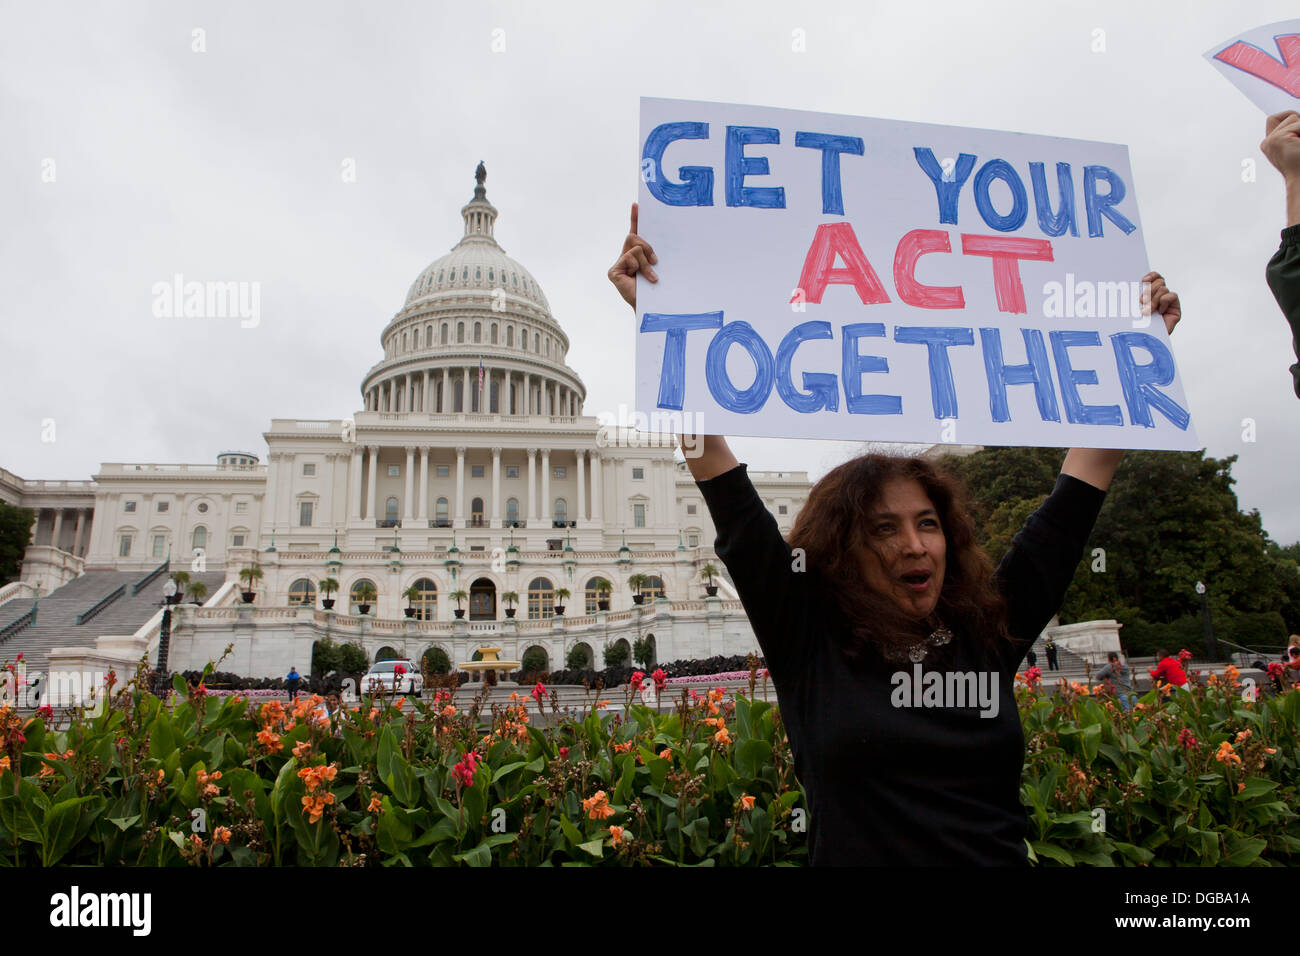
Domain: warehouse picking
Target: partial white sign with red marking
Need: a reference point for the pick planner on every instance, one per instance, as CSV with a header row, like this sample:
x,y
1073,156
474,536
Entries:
x,y
1264,63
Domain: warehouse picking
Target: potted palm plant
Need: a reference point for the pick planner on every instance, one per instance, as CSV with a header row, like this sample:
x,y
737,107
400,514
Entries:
x,y
327,587
248,576
511,599
636,582
365,595
561,595
603,590
709,572
181,579
412,594
459,596
198,591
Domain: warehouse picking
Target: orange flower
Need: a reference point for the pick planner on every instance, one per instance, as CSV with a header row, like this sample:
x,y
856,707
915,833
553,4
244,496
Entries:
x,y
602,704
1270,750
272,713
448,711
666,753
313,777
221,835
375,805
623,748
4,763
302,749
269,740
598,807
1241,787
722,736
1243,735
196,841
400,703
746,802
1225,754
616,833
315,806
374,712
1231,673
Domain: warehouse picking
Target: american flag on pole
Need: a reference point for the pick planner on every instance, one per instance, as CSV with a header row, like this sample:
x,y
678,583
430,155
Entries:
x,y
480,375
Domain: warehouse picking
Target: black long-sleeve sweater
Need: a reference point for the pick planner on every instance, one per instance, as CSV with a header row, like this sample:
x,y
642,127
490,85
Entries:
x,y
1283,276
887,784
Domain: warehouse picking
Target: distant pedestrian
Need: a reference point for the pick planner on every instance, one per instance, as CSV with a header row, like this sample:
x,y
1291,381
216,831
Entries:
x,y
1031,658
291,680
1050,646
1168,669
1121,676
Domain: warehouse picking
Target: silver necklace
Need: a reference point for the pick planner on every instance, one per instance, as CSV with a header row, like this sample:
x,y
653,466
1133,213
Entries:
x,y
918,651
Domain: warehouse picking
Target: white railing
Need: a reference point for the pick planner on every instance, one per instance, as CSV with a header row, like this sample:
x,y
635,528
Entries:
x,y
17,589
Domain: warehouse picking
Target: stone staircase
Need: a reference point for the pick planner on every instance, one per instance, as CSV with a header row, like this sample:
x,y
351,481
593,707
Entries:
x,y
56,614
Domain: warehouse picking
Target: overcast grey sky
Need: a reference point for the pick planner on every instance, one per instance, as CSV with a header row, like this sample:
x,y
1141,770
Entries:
x,y
226,165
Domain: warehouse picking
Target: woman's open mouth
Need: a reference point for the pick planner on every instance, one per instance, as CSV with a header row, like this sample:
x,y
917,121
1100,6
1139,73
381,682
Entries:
x,y
917,581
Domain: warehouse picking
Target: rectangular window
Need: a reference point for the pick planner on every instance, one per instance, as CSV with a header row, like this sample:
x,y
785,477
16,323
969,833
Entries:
x,y
241,507
559,471
512,471
638,516
124,546
476,471
309,469
690,509
693,540
130,506
163,506
159,542
444,471
638,474
394,471
238,541
304,514
780,509
476,547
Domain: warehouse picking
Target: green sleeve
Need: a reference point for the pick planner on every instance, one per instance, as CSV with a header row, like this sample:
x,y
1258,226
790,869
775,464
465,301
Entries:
x,y
1284,279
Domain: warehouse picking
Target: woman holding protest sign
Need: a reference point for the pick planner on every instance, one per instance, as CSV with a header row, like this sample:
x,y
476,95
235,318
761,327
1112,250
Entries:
x,y
892,641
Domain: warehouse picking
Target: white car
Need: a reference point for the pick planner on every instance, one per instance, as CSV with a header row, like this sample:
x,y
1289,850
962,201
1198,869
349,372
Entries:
x,y
382,678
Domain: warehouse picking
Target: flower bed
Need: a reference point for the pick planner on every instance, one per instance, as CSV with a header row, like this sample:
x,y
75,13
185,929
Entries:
x,y
1185,778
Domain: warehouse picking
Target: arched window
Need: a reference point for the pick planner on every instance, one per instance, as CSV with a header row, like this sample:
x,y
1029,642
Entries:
x,y
523,337
353,592
476,512
653,588
592,596
426,604
460,332
537,342
200,537
440,513
512,510
478,332
493,336
561,510
390,513
510,336
492,275
403,341
548,345
444,333
494,394
428,336
302,592
541,599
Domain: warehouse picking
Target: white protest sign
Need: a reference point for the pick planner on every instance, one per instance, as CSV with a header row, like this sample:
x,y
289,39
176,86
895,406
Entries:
x,y
1264,63
826,276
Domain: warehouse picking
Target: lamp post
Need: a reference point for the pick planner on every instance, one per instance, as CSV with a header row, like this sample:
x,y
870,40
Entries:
x,y
1207,628
165,633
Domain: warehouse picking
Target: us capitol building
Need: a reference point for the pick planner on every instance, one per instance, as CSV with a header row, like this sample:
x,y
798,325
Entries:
x,y
471,467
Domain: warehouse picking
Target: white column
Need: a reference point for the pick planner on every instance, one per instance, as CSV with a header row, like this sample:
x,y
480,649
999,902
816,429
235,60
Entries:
x,y
58,526
424,486
460,486
506,402
408,504
496,488
76,542
446,392
597,489
532,485
581,456
528,393
546,487
374,480
424,393
358,453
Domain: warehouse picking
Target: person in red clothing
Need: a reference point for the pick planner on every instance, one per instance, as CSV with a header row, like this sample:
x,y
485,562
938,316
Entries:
x,y
1168,670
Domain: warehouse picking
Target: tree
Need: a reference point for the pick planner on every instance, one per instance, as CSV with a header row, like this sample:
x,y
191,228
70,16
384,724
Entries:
x,y
437,661
15,534
643,651
616,654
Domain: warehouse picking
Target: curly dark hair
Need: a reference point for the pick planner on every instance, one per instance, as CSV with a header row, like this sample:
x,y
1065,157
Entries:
x,y
832,531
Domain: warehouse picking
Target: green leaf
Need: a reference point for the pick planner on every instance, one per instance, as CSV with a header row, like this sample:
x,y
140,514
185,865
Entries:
x,y
595,847
1058,853
63,823
1256,786
1242,851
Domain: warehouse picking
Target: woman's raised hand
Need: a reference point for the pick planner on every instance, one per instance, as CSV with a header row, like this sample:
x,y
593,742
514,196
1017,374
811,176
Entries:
x,y
637,256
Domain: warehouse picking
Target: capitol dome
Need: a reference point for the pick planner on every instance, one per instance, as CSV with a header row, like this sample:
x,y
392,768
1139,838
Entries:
x,y
477,262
